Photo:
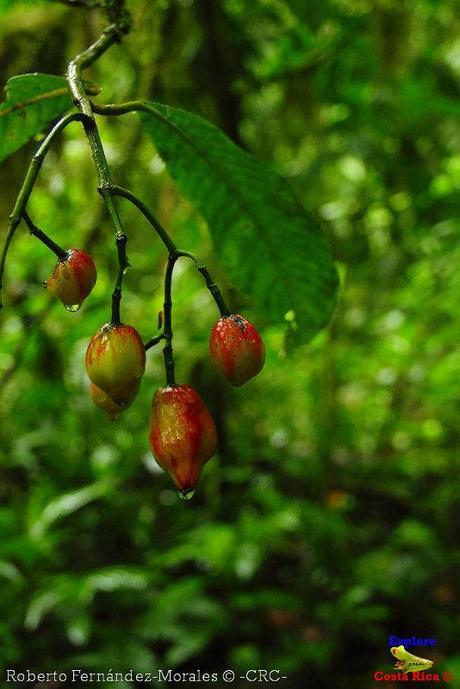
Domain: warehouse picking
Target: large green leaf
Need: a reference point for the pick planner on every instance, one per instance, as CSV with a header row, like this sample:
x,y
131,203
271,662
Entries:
x,y
270,245
32,102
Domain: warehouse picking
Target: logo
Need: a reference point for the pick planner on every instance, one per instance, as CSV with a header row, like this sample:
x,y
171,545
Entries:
x,y
407,662
411,668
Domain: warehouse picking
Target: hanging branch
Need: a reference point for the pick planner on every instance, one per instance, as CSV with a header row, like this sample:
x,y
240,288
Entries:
x,y
174,254
171,247
120,25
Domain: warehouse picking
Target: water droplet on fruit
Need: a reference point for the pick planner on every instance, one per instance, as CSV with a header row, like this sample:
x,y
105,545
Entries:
x,y
72,307
187,494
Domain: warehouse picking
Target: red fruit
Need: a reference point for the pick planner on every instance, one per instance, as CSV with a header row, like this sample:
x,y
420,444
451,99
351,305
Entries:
x,y
73,279
115,362
102,400
183,436
237,350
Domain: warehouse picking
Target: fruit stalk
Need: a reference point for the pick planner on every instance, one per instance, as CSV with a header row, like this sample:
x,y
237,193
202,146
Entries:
x,y
43,237
123,263
168,353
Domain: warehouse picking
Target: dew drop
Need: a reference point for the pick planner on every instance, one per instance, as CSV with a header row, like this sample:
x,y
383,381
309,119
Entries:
x,y
72,307
187,494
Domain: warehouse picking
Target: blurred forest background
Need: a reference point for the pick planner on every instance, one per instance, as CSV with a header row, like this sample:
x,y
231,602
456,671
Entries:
x,y
330,517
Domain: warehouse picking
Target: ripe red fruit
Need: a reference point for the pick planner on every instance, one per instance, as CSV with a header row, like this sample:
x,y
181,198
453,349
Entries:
x,y
102,400
183,435
115,362
73,279
237,350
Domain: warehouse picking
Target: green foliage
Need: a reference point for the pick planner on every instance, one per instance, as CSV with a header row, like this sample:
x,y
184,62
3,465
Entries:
x,y
249,208
272,249
32,102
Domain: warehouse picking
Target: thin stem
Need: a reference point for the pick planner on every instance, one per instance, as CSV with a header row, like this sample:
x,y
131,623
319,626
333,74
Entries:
x,y
29,182
172,249
167,330
112,34
43,237
39,157
210,284
87,106
161,232
123,264
154,341
115,109
215,291
174,254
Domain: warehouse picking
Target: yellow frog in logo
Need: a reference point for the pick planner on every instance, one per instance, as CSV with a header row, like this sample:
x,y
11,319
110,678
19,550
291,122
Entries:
x,y
406,662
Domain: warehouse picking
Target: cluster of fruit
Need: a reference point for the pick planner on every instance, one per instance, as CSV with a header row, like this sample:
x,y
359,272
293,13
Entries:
x,y
182,432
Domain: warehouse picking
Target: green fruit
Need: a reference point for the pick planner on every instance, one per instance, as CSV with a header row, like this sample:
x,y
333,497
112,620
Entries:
x,y
115,362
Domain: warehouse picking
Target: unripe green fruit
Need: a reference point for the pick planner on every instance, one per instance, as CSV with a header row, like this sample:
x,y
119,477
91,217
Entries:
x,y
73,279
102,400
115,362
183,435
237,350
